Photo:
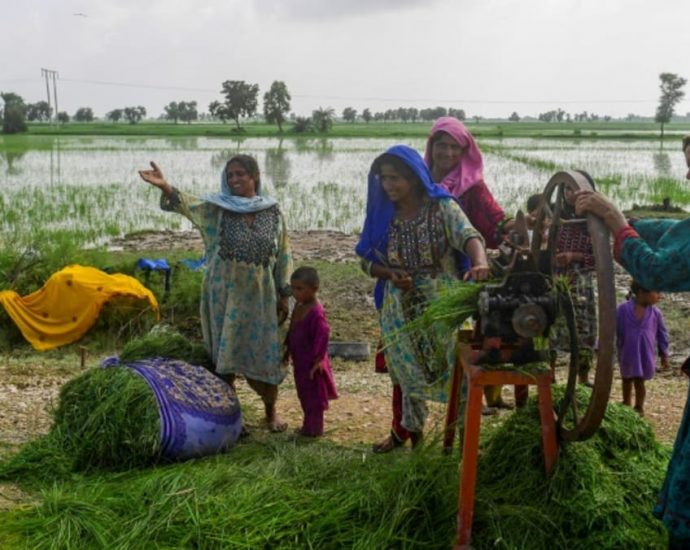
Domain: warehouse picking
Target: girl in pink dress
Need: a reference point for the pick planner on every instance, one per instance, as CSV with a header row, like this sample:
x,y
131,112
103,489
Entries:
x,y
307,345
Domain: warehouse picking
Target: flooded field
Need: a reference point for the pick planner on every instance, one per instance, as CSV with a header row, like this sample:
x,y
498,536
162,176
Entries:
x,y
88,187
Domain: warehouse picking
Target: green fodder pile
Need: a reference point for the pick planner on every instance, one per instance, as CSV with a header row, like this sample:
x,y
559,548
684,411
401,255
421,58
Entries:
x,y
105,419
278,495
164,342
600,495
285,494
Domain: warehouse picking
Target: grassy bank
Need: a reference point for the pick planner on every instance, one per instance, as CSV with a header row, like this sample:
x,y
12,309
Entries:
x,y
574,130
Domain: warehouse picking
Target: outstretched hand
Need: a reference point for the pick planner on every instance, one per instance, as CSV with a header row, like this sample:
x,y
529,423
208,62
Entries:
x,y
593,202
156,178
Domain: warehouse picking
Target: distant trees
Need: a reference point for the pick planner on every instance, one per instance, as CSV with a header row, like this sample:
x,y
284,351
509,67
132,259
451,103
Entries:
x,y
323,118
39,112
514,117
13,113
240,99
134,114
302,125
366,115
349,114
457,113
671,93
115,115
277,104
218,110
63,117
84,114
181,110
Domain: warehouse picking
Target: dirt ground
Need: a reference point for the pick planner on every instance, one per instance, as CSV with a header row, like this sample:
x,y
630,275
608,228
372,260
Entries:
x,y
30,382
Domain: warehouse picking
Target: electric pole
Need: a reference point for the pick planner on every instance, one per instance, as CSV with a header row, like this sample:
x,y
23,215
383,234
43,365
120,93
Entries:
x,y
48,74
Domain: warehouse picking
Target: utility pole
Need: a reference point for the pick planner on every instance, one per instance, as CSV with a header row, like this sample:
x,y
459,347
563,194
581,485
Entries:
x,y
48,74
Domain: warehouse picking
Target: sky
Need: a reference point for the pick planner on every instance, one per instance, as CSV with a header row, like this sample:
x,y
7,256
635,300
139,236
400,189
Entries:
x,y
488,57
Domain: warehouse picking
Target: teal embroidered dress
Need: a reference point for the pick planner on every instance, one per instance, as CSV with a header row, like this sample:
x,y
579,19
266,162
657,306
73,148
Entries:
x,y
657,254
249,265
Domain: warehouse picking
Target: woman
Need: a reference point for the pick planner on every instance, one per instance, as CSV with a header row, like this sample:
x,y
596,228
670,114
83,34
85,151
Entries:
x,y
411,231
455,161
246,285
657,254
456,164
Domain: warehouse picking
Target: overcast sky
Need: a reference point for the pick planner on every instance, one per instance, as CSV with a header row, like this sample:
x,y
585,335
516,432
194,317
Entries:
x,y
489,57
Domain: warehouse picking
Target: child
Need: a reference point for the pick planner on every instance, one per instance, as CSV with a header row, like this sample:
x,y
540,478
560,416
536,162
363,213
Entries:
x,y
307,344
575,260
641,334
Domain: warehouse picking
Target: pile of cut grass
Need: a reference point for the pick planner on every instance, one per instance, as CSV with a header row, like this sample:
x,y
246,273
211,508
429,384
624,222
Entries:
x,y
106,419
601,493
317,495
165,342
278,495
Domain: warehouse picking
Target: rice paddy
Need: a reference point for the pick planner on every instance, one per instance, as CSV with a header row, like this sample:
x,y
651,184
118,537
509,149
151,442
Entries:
x,y
88,187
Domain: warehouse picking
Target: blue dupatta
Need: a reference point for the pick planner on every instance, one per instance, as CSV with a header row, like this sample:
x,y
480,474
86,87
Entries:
x,y
373,241
241,205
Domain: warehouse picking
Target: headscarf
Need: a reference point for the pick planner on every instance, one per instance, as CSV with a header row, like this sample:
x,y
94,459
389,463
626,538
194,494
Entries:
x,y
373,241
470,169
234,203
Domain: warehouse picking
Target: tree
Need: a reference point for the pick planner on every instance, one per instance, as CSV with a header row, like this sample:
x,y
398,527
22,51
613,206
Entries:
x,y
240,99
277,104
14,113
63,117
671,93
218,110
187,111
323,118
84,114
115,115
349,114
366,115
303,125
182,110
40,111
134,114
172,111
514,117
457,113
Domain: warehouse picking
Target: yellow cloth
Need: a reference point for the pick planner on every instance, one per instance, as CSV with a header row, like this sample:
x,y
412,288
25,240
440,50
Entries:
x,y
68,304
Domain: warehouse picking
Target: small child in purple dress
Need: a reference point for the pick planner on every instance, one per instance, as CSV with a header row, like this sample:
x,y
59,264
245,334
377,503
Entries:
x,y
641,335
307,345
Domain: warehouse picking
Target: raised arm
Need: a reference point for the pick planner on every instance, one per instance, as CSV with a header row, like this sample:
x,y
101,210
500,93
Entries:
x,y
465,238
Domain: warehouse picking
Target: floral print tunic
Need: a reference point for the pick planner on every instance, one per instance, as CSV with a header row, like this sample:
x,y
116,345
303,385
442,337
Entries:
x,y
249,265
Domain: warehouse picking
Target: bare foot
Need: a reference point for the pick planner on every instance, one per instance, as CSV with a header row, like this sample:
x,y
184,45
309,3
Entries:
x,y
276,424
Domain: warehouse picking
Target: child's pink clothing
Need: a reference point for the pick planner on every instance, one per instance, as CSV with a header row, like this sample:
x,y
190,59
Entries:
x,y
308,343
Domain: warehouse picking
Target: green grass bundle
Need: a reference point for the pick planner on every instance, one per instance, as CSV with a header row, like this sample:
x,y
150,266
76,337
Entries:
x,y
456,302
162,342
277,495
600,495
105,419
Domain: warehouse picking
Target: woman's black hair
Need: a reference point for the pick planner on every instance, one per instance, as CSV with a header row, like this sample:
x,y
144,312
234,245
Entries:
x,y
250,165
399,166
307,275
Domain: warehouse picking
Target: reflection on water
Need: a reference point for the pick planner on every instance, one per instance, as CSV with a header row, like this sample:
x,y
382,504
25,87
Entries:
x,y
92,182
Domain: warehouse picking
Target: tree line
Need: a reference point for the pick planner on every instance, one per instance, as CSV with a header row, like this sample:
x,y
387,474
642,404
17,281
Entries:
x,y
241,99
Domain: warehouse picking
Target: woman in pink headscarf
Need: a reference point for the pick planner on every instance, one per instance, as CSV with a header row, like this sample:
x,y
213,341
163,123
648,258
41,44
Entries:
x,y
456,164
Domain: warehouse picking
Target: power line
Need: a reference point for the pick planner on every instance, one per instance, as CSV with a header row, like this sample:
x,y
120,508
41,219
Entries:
x,y
367,98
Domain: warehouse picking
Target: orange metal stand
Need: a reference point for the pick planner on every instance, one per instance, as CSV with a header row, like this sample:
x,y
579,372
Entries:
x,y
476,379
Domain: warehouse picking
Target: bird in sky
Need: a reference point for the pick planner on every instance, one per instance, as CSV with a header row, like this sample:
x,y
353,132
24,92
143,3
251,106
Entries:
x,y
80,15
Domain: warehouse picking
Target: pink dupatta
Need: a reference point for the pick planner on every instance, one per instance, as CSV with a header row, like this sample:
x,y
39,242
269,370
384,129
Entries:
x,y
470,169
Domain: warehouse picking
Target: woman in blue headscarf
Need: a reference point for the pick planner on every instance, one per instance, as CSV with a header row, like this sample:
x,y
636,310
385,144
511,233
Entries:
x,y
411,231
247,282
